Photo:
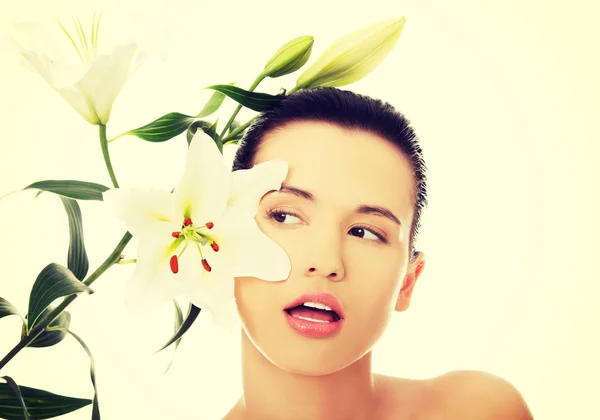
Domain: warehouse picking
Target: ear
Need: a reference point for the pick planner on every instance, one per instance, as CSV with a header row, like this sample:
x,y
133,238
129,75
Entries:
x,y
410,279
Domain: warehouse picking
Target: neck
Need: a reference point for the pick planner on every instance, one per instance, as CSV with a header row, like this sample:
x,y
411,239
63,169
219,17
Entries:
x,y
272,393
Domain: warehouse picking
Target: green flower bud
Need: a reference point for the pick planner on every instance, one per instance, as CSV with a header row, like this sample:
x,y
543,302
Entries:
x,y
352,57
289,58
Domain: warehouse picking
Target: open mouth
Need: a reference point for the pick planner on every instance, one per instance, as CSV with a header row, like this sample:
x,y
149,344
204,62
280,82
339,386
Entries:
x,y
315,312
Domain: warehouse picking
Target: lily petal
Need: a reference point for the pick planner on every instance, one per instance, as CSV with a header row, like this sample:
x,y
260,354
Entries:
x,y
64,80
211,291
152,282
248,186
145,212
204,187
256,255
105,78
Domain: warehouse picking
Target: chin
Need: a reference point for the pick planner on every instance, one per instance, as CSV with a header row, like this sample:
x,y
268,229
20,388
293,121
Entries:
x,y
304,356
310,364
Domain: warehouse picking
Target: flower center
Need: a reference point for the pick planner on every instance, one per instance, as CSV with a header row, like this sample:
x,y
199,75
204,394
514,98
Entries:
x,y
192,234
87,49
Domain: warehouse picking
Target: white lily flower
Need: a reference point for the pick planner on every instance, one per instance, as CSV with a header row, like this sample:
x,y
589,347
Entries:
x,y
193,242
90,85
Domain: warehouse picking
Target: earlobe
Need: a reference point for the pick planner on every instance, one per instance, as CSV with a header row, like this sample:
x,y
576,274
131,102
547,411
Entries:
x,y
414,271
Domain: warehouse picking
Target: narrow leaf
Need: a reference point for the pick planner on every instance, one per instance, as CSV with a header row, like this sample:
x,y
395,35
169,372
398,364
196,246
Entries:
x,y
163,128
77,260
10,381
213,104
40,404
212,130
178,324
192,314
51,335
95,407
77,190
255,101
7,308
53,282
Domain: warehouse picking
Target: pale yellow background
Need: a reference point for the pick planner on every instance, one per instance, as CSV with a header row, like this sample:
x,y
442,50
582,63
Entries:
x,y
504,95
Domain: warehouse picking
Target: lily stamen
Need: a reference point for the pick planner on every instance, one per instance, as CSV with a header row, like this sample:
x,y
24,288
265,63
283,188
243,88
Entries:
x,y
187,221
176,234
204,262
174,264
187,242
214,246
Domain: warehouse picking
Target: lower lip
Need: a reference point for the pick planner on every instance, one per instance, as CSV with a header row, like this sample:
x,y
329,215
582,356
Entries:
x,y
313,329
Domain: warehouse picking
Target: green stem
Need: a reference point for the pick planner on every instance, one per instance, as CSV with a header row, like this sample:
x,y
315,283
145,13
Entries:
x,y
238,130
104,146
256,82
113,258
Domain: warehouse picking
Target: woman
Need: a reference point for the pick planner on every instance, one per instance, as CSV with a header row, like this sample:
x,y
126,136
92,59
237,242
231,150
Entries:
x,y
347,215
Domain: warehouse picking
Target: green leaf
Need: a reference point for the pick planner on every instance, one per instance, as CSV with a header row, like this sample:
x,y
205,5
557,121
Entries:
x,y
40,404
163,128
95,406
7,308
178,324
192,314
53,282
77,260
77,190
213,104
255,101
212,130
203,125
51,335
17,391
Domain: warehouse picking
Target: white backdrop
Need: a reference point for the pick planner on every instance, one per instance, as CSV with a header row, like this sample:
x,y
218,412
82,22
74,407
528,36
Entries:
x,y
502,94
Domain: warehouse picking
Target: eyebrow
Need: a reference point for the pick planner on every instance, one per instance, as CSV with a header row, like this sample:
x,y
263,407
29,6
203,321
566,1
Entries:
x,y
362,209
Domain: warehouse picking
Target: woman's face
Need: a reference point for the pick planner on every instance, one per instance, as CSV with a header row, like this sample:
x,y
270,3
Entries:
x,y
360,258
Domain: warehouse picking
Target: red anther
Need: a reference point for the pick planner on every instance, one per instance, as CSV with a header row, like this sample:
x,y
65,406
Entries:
x,y
205,265
210,225
175,234
214,246
174,264
187,221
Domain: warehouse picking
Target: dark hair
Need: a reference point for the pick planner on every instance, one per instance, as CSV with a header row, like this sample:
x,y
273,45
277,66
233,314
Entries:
x,y
347,110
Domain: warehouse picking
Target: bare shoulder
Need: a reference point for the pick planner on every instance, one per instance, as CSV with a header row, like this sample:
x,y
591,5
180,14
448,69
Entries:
x,y
463,394
475,394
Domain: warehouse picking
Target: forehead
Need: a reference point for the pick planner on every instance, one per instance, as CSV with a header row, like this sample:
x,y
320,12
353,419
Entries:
x,y
342,166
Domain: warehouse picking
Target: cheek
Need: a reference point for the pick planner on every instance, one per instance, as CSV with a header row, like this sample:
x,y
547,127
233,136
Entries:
x,y
257,300
378,279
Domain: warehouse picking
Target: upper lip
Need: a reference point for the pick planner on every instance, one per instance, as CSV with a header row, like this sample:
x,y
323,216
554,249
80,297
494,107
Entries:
x,y
323,298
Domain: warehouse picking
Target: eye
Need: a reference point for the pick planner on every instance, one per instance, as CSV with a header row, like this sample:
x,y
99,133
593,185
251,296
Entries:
x,y
361,230
280,216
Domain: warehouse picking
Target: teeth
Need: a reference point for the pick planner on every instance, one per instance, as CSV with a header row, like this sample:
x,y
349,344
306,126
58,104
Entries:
x,y
310,319
317,305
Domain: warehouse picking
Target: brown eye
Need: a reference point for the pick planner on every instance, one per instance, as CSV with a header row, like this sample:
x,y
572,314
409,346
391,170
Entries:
x,y
281,216
360,232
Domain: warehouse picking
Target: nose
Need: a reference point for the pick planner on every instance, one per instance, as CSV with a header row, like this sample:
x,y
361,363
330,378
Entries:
x,y
325,258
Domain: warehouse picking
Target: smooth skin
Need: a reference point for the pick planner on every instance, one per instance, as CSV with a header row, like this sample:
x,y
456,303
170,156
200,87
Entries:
x,y
363,260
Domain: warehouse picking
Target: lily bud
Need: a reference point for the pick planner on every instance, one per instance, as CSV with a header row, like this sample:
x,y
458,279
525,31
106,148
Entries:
x,y
290,57
353,56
